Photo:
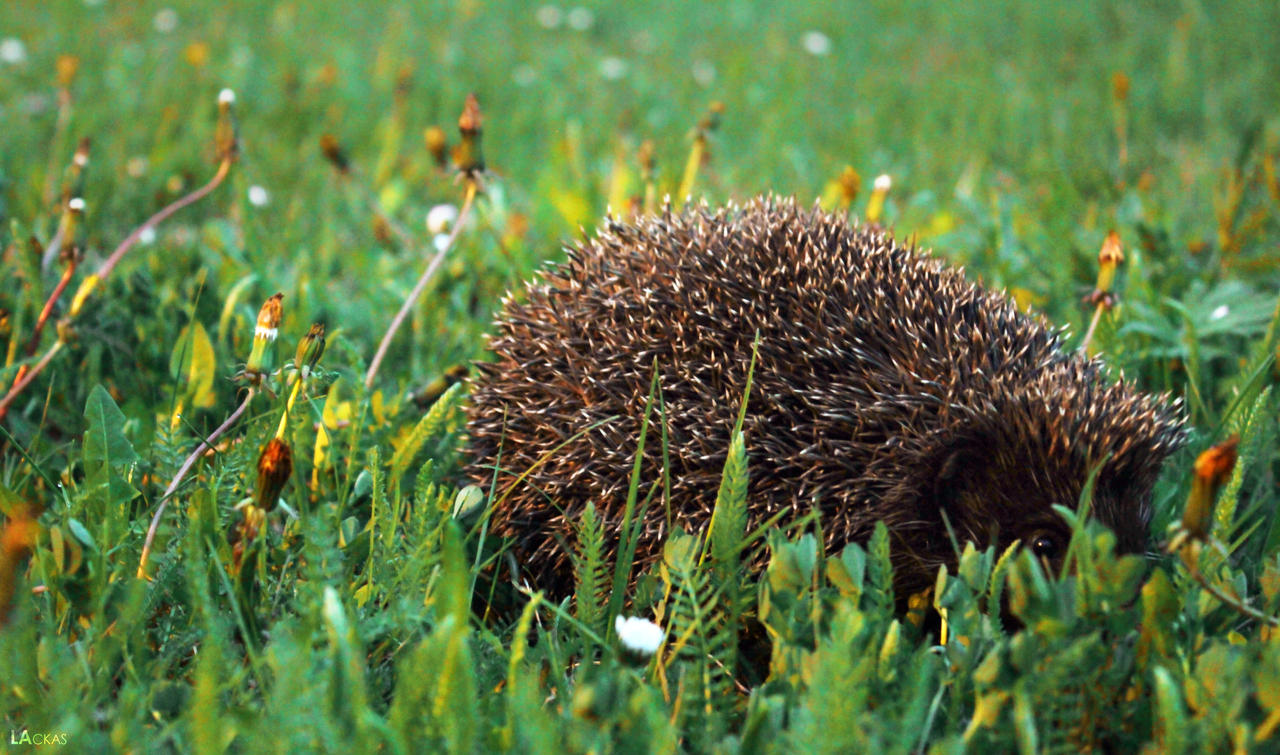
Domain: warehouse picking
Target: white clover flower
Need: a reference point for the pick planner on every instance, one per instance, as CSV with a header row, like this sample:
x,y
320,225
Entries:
x,y
613,68
165,21
638,635
1220,312
883,182
549,17
258,196
13,51
816,43
441,218
581,19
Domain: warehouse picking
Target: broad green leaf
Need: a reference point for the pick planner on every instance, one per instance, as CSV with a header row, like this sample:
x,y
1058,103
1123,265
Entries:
x,y
104,440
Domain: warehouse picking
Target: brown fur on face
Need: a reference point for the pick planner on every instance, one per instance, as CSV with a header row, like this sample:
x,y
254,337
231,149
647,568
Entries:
x,y
886,387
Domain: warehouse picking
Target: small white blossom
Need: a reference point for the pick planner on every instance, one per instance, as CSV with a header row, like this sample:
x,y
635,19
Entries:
x,y
258,196
883,182
440,241
76,204
13,51
638,635
613,68
165,21
816,43
147,236
549,17
227,96
441,218
581,19
1220,312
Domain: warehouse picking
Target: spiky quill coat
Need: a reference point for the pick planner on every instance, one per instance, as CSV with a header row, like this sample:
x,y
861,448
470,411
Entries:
x,y
886,387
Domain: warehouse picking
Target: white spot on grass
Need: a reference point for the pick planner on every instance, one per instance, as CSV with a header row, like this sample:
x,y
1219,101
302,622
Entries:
x,y
165,21
1220,312
613,68
549,17
13,51
148,236
581,19
704,73
258,196
816,43
523,75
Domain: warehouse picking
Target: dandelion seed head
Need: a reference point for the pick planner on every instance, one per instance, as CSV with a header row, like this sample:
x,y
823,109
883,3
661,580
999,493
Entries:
x,y
13,51
441,218
258,196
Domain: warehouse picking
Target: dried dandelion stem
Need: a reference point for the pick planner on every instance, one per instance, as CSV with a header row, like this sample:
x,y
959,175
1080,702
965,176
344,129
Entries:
x,y
205,445
224,168
421,285
34,343
91,283
26,379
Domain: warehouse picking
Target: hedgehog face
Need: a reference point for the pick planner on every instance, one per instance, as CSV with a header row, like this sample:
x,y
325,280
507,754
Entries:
x,y
995,486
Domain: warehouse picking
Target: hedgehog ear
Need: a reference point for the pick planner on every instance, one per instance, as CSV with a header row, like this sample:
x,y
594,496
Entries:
x,y
953,473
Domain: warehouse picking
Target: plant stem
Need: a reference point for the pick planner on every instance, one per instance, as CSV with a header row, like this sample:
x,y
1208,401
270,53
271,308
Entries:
x,y
34,343
206,444
93,281
26,379
224,168
1093,325
421,285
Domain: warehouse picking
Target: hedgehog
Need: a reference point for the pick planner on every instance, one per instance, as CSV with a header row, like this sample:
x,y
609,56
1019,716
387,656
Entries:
x,y
886,386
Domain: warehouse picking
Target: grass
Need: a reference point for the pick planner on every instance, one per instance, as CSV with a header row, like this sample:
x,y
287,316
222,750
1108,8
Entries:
x,y
1016,134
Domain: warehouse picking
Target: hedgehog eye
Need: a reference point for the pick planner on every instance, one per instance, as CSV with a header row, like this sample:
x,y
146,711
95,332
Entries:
x,y
1044,546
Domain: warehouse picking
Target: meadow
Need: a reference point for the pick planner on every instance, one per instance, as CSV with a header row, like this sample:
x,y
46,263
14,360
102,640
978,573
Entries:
x,y
319,577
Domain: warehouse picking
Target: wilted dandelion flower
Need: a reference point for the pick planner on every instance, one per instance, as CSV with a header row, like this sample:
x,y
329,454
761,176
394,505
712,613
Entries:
x,y
441,218
549,17
258,196
613,68
638,635
581,19
13,51
816,43
165,21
